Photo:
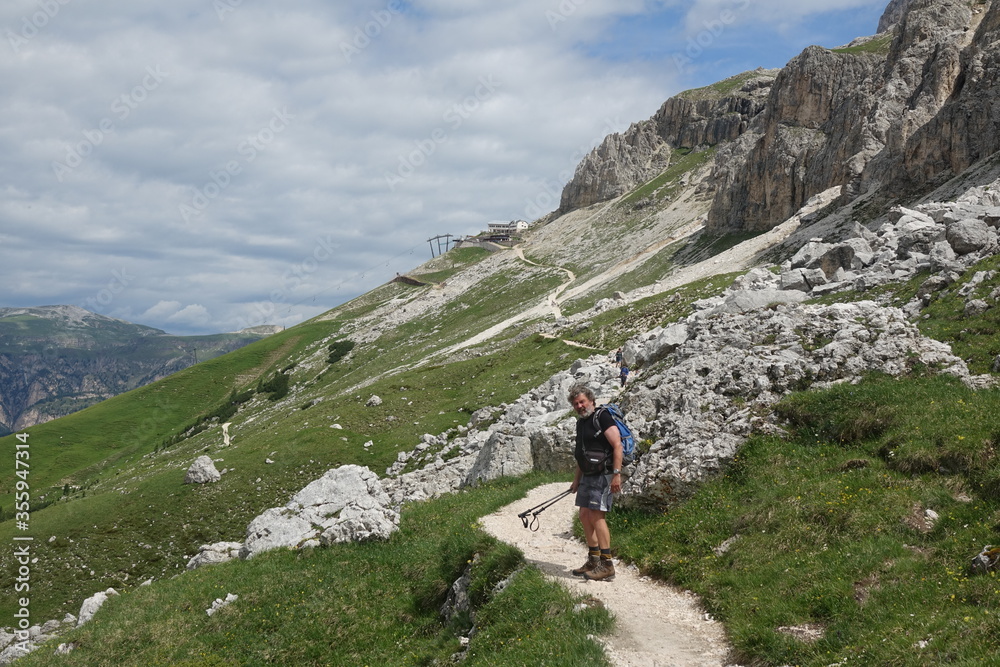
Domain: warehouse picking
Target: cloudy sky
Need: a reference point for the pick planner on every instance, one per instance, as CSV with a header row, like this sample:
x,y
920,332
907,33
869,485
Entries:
x,y
201,166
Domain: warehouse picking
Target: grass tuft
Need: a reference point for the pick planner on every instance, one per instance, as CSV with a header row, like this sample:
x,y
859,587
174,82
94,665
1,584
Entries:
x,y
352,604
818,548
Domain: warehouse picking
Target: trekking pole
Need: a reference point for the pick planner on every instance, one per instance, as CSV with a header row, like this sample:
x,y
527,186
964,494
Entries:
x,y
538,509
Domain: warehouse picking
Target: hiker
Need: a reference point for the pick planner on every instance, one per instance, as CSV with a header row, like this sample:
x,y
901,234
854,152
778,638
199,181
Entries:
x,y
623,374
618,357
594,490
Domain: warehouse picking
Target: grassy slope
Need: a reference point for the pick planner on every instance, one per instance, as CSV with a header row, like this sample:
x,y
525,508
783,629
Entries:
x,y
829,520
133,519
591,241
317,607
629,225
142,522
831,532
830,524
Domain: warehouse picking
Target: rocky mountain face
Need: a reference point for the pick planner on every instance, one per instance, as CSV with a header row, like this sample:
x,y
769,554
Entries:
x,y
886,117
892,14
879,118
706,380
965,80
55,360
691,120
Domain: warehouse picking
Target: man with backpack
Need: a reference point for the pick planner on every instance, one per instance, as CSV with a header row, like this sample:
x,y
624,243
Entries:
x,y
598,456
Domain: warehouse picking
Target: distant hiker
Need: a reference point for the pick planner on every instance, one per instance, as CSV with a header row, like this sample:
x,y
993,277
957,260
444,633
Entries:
x,y
623,374
598,456
618,357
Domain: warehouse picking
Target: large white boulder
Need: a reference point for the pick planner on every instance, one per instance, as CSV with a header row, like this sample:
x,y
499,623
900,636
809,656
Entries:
x,y
211,554
504,455
322,505
92,604
202,471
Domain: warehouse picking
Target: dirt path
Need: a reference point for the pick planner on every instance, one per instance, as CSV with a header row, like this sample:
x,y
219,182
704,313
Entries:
x,y
554,297
571,343
658,626
630,263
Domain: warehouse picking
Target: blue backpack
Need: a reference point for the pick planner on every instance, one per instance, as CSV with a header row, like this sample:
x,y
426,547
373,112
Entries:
x,y
628,437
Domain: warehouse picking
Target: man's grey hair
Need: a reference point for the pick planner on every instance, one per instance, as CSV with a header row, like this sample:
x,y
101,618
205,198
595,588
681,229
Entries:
x,y
581,389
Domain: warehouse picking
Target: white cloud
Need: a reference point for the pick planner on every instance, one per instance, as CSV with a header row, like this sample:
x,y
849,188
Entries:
x,y
163,310
194,315
316,146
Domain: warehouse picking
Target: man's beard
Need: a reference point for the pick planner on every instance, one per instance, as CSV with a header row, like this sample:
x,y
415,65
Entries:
x,y
587,413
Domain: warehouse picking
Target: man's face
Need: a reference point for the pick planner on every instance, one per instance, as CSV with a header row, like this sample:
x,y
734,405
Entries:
x,y
583,405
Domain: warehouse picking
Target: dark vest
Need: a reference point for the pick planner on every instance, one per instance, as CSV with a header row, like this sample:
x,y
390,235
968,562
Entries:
x,y
587,437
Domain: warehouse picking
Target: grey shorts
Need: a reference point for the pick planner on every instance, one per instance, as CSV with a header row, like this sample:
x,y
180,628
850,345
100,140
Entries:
x,y
594,492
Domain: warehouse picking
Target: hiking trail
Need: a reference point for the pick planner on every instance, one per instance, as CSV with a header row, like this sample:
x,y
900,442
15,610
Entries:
x,y
657,625
554,297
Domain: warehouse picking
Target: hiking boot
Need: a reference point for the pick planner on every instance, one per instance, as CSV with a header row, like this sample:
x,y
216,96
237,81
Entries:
x,y
605,571
592,563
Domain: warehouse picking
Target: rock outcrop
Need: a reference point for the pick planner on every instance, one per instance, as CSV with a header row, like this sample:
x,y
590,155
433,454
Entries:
x,y
892,115
202,471
805,141
211,554
16,644
893,13
887,116
695,119
965,128
534,433
346,503
621,162
93,604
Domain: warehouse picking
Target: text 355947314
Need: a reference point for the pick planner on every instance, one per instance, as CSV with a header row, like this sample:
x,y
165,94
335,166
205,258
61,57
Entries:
x,y
22,543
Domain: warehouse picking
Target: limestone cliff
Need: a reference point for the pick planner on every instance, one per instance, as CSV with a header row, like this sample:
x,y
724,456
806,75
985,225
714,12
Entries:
x,y
696,118
847,117
807,140
886,116
965,128
892,14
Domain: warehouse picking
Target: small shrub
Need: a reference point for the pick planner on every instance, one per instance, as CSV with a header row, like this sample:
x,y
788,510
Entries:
x,y
276,387
339,350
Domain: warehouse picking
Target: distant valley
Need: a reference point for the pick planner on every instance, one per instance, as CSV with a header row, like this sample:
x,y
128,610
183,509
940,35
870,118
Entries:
x,y
55,360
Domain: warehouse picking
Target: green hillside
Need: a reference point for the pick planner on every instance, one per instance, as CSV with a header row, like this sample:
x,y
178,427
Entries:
x,y
109,508
120,463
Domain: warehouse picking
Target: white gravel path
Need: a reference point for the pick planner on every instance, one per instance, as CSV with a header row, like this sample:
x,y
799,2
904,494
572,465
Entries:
x,y
658,625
